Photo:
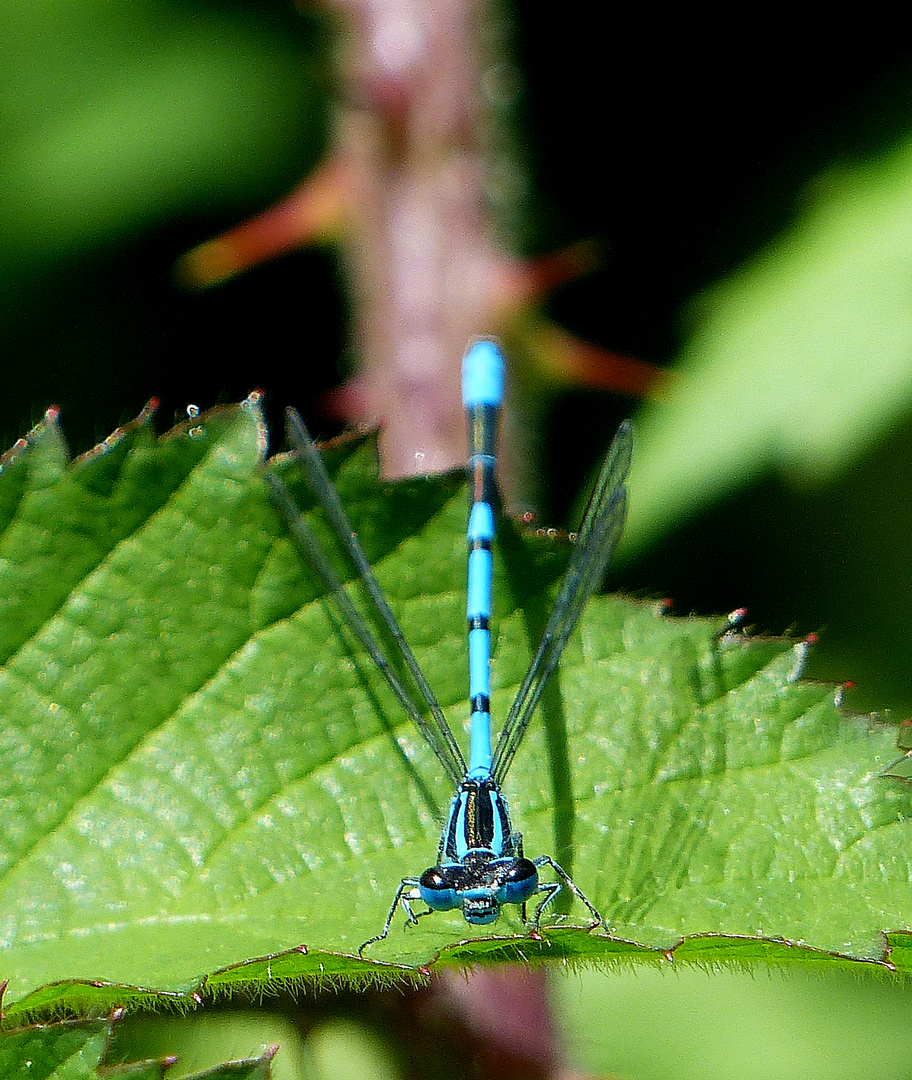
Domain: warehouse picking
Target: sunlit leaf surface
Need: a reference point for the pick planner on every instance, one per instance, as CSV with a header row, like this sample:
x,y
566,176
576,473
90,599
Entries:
x,y
199,768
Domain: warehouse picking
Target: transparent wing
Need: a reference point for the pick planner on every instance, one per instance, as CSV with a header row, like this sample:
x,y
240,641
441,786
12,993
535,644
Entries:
x,y
436,730
598,537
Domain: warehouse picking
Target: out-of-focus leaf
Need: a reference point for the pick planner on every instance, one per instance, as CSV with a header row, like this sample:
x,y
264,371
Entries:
x,y
797,362
114,116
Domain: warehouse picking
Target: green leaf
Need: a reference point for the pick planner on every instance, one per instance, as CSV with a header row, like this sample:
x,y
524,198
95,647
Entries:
x,y
799,361
257,1068
70,1050
199,768
79,1049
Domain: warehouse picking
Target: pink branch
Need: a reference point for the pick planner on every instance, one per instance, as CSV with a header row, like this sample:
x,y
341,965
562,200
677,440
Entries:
x,y
424,270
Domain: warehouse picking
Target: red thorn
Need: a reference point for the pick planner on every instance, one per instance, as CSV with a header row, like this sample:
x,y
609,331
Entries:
x,y
575,361
526,281
314,210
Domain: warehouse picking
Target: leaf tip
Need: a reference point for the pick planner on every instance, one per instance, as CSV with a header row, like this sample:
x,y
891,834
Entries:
x,y
802,650
48,424
900,769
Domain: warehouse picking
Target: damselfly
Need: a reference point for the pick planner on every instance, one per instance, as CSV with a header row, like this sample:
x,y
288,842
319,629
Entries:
x,y
480,862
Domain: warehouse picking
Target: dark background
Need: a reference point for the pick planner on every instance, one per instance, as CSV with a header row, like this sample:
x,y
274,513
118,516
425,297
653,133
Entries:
x,y
682,148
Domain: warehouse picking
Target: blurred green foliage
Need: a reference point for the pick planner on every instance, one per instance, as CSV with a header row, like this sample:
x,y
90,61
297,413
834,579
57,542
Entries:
x,y
795,390
129,133
117,116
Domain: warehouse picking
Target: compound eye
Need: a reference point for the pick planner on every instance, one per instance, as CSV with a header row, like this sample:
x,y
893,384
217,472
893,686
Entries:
x,y
520,881
522,870
438,889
